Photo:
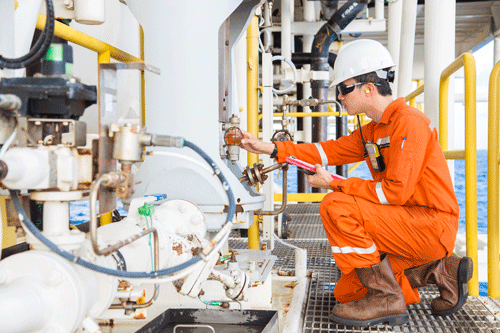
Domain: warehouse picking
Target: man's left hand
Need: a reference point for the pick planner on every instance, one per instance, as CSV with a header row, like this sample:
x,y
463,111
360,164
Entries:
x,y
321,179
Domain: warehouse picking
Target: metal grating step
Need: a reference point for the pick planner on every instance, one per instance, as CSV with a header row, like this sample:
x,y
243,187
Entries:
x,y
307,232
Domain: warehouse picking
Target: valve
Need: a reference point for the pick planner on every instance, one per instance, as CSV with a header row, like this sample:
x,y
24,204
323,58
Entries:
x,y
232,138
257,174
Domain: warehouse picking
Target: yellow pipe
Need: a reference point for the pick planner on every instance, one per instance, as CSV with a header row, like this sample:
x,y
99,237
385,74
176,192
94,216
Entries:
x,y
352,168
143,81
301,197
465,60
493,178
72,35
411,97
454,154
253,109
9,233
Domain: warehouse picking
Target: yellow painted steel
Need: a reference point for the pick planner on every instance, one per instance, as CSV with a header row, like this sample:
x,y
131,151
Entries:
x,y
253,109
9,237
467,61
301,197
493,179
143,81
354,166
106,218
16,4
72,35
454,154
411,97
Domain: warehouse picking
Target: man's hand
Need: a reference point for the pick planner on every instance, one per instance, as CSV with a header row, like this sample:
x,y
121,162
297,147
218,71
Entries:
x,y
252,144
321,179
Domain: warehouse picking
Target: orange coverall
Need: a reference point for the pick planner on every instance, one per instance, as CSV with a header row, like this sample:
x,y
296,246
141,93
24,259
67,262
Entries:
x,y
408,211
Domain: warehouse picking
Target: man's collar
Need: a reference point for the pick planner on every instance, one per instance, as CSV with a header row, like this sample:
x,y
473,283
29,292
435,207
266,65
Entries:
x,y
391,108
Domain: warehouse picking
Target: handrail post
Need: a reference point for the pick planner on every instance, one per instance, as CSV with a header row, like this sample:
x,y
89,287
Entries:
x,y
493,196
465,60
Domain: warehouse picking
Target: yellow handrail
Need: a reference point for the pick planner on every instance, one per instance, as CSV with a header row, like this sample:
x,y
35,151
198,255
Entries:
x,y
411,97
465,60
493,178
253,109
72,35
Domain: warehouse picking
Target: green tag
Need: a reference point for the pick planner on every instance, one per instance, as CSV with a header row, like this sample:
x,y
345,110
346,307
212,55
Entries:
x,y
146,210
54,53
68,68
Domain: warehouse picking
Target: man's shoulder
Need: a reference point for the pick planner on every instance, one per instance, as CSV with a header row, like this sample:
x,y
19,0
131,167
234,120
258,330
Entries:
x,y
410,114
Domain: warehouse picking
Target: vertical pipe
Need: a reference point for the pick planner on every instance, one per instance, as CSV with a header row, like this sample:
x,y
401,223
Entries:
x,y
143,82
439,50
309,16
286,28
253,109
55,218
493,179
394,35
379,9
407,47
471,169
104,57
7,40
496,45
267,132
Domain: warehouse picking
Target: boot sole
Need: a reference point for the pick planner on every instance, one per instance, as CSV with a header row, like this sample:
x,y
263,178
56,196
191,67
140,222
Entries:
x,y
391,320
465,271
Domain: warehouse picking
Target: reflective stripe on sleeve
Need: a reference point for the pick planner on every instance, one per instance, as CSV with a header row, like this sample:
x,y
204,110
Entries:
x,y
324,159
380,194
358,250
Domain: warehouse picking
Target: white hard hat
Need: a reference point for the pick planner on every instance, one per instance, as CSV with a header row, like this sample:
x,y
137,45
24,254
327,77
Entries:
x,y
360,57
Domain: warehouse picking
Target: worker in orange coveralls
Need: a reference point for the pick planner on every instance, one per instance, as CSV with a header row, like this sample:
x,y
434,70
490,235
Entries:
x,y
395,233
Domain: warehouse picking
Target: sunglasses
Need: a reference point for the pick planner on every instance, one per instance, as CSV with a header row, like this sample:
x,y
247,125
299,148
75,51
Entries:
x,y
344,90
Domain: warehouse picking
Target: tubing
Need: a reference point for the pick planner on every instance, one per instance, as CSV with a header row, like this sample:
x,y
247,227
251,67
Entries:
x,y
39,49
327,34
28,224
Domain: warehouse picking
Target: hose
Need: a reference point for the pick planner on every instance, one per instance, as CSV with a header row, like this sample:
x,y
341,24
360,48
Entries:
x,y
27,223
39,49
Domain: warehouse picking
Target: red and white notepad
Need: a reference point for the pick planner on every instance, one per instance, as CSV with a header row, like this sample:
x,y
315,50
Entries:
x,y
307,168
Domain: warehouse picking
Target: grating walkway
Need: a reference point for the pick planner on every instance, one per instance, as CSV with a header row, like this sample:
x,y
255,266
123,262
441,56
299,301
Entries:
x,y
306,231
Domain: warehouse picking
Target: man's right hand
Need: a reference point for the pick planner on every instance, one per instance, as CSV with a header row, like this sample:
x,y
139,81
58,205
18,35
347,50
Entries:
x,y
252,144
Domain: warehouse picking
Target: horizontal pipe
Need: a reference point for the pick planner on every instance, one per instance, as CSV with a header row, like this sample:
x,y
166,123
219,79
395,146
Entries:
x,y
301,197
72,35
454,154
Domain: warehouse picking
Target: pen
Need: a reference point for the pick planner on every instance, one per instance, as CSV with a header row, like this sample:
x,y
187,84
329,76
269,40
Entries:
x,y
403,143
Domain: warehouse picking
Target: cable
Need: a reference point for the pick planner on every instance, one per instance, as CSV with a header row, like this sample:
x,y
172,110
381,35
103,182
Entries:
x,y
39,49
285,243
27,223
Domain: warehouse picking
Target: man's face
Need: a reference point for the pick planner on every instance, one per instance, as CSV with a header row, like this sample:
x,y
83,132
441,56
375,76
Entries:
x,y
350,100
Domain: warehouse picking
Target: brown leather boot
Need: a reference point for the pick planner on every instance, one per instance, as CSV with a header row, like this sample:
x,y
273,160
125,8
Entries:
x,y
383,303
451,275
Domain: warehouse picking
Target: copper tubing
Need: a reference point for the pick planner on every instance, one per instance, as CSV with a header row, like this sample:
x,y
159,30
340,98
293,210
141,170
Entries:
x,y
283,202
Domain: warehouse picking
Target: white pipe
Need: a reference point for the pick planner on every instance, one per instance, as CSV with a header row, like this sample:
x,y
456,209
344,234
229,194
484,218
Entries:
x,y
286,28
55,218
439,52
394,35
267,132
26,301
496,46
407,47
301,263
26,16
309,16
379,9
295,313
7,36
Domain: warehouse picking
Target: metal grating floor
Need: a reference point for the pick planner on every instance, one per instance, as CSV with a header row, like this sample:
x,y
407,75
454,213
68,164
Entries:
x,y
306,231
